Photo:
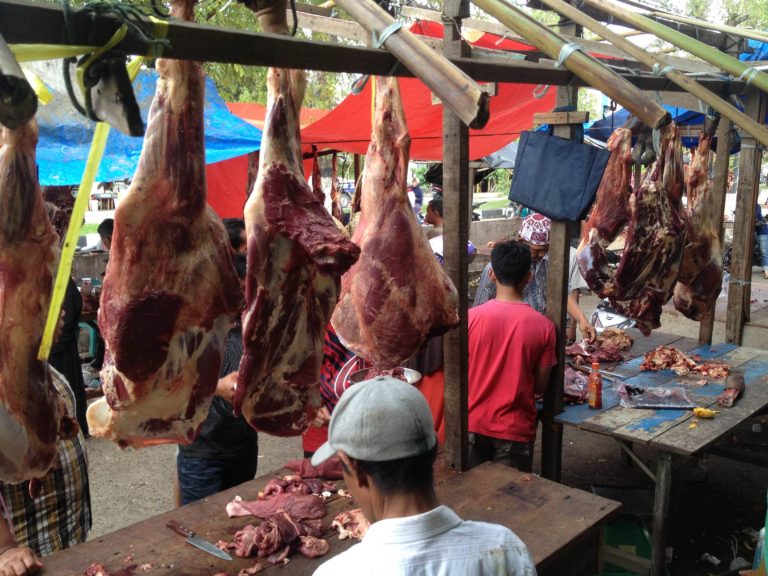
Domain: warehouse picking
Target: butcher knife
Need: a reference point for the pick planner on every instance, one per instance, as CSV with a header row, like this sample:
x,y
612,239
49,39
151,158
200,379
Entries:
x,y
196,541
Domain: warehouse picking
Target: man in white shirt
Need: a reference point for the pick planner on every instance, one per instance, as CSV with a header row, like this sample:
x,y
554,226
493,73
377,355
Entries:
x,y
382,431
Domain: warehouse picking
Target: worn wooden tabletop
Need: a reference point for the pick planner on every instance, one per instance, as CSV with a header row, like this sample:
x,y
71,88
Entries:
x,y
670,430
547,516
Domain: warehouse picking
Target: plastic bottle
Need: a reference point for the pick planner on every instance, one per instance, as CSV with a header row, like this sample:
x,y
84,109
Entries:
x,y
595,387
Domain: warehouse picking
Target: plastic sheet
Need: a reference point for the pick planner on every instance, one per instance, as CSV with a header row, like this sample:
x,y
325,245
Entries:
x,y
673,398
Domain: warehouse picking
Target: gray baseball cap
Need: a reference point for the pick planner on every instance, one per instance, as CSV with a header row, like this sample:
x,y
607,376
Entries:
x,y
379,420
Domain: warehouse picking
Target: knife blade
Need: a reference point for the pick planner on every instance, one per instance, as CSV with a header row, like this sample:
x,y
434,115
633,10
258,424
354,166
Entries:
x,y
196,541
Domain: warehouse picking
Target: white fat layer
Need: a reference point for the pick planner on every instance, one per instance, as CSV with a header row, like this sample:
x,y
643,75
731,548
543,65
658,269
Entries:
x,y
170,390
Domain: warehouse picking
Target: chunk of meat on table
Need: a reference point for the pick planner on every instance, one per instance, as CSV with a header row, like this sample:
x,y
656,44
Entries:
x,y
701,272
32,415
171,288
299,506
585,353
296,256
670,358
351,524
615,337
297,484
397,295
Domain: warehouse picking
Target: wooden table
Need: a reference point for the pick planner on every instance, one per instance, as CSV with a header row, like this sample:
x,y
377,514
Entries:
x,y
562,527
668,431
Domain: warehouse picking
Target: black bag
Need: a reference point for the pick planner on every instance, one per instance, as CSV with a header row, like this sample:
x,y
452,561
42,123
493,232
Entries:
x,y
556,176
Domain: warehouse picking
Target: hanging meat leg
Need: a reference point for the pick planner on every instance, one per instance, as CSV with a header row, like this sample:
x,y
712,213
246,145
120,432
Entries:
x,y
701,273
171,289
296,256
397,295
32,415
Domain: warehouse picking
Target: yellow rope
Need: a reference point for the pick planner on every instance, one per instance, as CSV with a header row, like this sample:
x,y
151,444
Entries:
x,y
33,52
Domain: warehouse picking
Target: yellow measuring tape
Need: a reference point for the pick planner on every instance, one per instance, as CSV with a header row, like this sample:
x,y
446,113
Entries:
x,y
95,154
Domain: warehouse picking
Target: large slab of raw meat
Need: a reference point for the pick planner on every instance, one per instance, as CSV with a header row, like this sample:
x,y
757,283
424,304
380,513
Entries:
x,y
397,295
171,288
296,256
656,233
701,272
32,415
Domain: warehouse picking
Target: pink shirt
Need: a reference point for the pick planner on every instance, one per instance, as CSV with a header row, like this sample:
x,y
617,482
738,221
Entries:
x,y
507,341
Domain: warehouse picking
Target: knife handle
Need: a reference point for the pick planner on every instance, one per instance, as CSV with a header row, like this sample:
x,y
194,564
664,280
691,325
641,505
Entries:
x,y
179,528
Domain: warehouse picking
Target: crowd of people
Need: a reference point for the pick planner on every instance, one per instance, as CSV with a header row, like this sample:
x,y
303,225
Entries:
x,y
387,466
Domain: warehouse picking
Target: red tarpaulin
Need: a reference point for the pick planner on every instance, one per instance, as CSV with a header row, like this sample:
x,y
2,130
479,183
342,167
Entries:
x,y
347,127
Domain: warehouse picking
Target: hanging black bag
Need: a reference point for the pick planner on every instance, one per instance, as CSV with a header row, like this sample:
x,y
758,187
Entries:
x,y
556,176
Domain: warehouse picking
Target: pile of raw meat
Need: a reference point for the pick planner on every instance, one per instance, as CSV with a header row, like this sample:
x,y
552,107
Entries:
x,y
351,524
670,358
292,509
668,249
606,348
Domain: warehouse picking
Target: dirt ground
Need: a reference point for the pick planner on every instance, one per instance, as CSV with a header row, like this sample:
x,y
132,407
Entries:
x,y
722,502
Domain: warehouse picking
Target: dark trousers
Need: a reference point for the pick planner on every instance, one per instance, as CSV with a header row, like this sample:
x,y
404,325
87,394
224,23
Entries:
x,y
514,454
203,477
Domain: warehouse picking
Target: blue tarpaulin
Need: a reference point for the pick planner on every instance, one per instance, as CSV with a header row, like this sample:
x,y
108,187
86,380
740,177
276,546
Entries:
x,y
65,135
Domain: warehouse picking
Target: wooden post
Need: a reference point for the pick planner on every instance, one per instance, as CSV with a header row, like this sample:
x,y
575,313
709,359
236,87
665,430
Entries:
x,y
739,290
456,211
557,306
660,511
357,166
719,190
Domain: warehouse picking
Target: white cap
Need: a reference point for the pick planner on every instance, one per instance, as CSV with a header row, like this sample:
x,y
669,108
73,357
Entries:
x,y
379,420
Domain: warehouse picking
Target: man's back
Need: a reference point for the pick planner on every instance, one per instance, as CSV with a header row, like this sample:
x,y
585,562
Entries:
x,y
507,342
437,542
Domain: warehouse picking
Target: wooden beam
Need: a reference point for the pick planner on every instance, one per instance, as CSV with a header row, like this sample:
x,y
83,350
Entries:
x,y
456,210
740,288
201,42
710,37
591,46
556,118
719,190
557,301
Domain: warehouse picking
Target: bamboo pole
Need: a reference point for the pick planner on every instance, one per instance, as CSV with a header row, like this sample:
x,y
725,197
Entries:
x,y
690,45
725,28
749,125
581,64
454,88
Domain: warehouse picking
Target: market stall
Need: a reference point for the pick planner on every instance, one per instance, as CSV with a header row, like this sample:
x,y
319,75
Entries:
x,y
191,41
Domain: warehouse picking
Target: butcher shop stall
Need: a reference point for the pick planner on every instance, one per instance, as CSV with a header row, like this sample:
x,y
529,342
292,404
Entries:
x,y
642,216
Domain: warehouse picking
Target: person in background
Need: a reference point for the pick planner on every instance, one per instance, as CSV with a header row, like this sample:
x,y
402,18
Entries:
x,y
511,354
236,232
225,452
534,232
418,197
59,518
434,217
383,433
105,230
64,355
761,231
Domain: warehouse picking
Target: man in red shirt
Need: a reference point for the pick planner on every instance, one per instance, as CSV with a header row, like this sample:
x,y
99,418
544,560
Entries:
x,y
511,353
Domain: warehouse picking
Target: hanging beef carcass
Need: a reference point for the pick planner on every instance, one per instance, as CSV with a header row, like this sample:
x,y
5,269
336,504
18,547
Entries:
x,y
609,215
397,295
701,272
650,262
171,289
32,415
296,257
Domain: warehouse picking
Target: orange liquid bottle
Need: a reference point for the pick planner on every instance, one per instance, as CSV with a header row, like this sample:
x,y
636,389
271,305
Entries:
x,y
595,387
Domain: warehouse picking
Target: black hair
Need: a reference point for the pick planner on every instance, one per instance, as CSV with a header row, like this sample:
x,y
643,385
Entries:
x,y
511,261
436,204
106,228
235,228
241,265
412,474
